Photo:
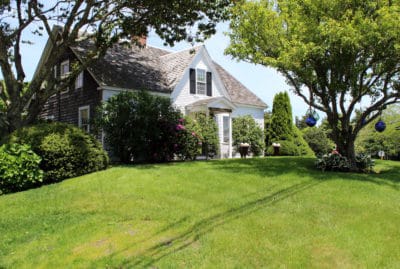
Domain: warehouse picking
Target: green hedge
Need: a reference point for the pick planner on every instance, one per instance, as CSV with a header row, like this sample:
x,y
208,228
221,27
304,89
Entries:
x,y
19,168
66,151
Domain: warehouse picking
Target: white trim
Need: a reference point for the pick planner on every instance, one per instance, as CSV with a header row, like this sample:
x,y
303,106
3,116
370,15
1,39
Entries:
x,y
250,106
63,63
118,90
80,117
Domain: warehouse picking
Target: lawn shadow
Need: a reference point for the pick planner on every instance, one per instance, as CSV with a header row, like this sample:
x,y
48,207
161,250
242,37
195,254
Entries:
x,y
187,237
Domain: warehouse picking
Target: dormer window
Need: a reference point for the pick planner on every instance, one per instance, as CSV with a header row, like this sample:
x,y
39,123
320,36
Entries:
x,y
79,81
64,68
200,82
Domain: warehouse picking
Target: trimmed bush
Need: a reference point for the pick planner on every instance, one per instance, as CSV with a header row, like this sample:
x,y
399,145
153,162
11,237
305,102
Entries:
x,y
246,130
19,168
66,150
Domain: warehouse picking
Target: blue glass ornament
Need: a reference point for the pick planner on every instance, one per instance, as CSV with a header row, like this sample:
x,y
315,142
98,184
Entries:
x,y
311,121
380,126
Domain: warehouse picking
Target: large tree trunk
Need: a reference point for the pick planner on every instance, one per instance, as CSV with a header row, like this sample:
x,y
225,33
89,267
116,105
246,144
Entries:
x,y
345,146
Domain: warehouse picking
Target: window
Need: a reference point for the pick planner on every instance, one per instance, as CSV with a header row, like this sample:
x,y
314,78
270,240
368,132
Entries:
x,y
225,126
55,71
64,68
201,81
79,81
84,118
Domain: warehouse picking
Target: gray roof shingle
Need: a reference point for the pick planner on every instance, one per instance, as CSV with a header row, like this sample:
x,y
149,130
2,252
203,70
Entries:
x,y
238,92
149,68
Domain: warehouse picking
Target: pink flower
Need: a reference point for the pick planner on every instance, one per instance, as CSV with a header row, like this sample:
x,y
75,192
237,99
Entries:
x,y
194,134
179,127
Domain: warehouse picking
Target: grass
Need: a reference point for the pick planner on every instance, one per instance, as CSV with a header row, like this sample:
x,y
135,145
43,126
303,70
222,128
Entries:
x,y
273,212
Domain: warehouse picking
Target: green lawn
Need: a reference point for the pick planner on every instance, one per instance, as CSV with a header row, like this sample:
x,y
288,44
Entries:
x,y
273,212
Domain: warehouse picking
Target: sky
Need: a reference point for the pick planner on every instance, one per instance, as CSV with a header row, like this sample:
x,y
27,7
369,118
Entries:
x,y
264,82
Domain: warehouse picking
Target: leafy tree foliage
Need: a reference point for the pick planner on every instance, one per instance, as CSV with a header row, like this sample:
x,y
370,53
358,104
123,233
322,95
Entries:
x,y
370,141
318,140
334,54
104,22
246,130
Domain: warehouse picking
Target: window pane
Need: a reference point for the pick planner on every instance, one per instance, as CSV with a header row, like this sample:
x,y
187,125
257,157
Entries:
x,y
201,75
225,123
79,81
64,69
201,88
84,118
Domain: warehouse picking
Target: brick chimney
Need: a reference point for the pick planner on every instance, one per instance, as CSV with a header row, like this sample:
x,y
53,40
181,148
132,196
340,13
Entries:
x,y
140,41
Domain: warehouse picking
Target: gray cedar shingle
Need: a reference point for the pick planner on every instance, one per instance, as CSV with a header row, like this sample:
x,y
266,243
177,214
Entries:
x,y
154,69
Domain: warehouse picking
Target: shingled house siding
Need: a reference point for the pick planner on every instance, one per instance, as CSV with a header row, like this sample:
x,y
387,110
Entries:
x,y
64,106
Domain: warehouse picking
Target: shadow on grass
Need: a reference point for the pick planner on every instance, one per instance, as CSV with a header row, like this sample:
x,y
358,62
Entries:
x,y
304,167
265,167
190,235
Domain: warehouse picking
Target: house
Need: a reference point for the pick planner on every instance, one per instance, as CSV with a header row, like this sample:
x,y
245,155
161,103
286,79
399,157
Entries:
x,y
190,78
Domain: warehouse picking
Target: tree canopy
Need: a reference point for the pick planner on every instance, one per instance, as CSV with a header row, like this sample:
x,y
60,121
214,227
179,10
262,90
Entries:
x,y
335,54
105,22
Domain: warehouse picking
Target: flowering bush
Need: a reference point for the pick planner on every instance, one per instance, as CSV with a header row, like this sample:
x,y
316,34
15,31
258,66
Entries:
x,y
140,127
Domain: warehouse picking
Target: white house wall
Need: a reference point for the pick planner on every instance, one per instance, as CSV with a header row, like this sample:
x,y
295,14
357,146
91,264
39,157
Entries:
x,y
181,96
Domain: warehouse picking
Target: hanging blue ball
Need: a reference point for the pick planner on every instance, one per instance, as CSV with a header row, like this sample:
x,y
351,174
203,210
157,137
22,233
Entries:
x,y
311,121
380,126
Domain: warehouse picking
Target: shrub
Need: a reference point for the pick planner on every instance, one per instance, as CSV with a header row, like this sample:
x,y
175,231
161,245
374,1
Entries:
x,y
140,127
246,130
333,162
364,162
66,151
337,162
206,129
19,168
296,146
188,142
317,140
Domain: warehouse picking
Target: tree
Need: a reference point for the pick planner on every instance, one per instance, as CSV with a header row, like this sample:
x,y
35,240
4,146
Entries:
x,y
103,22
370,141
246,130
281,126
334,54
281,129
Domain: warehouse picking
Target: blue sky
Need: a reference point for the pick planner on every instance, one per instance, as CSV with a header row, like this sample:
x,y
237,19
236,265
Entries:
x,y
264,82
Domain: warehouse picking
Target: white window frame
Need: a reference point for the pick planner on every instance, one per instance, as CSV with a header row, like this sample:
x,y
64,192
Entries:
x,y
81,126
225,138
55,71
204,83
62,73
79,81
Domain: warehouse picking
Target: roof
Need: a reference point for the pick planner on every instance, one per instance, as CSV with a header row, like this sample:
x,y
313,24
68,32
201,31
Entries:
x,y
150,68
238,92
